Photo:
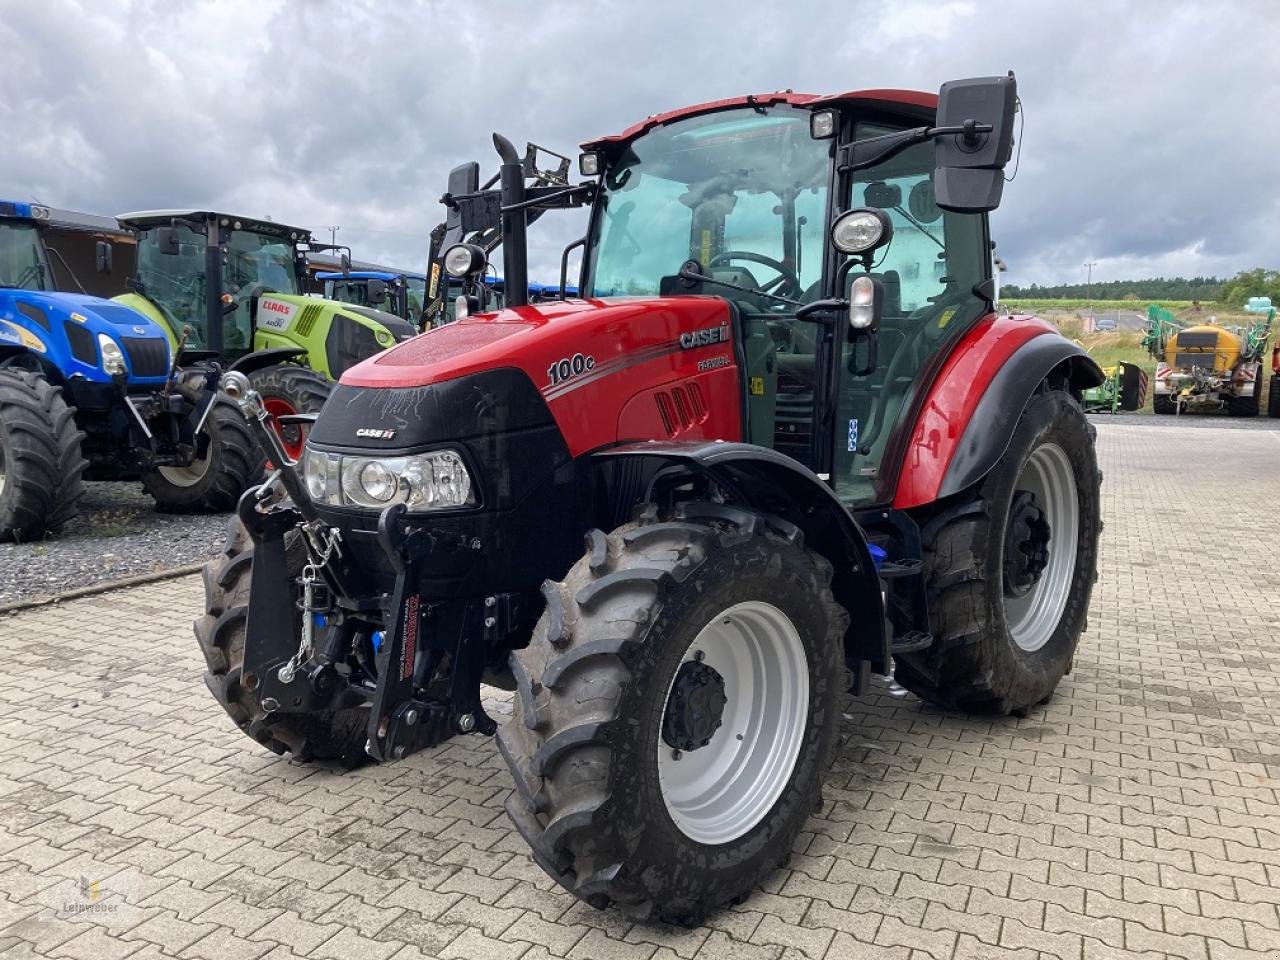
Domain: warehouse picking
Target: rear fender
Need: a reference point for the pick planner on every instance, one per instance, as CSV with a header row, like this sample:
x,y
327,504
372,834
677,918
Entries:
x,y
969,416
776,484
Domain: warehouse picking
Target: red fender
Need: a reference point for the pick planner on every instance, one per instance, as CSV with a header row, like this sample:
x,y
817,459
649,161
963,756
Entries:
x,y
951,401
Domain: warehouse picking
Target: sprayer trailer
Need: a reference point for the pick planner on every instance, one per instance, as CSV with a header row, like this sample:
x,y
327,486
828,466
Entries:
x,y
784,443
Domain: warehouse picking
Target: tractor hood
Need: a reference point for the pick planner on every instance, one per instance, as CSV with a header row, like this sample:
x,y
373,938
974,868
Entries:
x,y
607,369
63,328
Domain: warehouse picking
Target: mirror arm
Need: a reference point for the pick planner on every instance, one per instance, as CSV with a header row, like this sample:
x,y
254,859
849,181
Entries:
x,y
694,278
828,311
893,144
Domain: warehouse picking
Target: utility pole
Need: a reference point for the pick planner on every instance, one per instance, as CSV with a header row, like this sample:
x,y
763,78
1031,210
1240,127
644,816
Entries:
x,y
1088,290
333,235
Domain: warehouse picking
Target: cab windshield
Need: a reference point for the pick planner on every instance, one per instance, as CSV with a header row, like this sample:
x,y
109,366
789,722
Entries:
x,y
21,264
743,192
254,264
176,282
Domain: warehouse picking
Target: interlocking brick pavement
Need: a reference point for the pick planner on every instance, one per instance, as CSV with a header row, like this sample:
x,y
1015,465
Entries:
x,y
1135,815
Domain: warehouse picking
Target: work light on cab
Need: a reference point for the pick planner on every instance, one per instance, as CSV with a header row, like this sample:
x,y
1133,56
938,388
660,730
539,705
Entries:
x,y
860,231
464,260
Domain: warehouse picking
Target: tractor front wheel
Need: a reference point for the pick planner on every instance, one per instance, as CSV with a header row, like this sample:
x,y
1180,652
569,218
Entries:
x,y
40,458
325,735
211,483
288,389
676,709
1009,568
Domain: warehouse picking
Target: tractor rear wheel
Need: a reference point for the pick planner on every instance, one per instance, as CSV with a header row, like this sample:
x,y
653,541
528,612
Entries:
x,y
40,458
288,389
337,735
676,709
1273,397
1133,387
213,483
1009,568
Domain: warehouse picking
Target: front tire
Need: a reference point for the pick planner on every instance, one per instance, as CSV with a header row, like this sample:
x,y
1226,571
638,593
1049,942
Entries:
x,y
612,685
1009,569
214,483
40,457
337,735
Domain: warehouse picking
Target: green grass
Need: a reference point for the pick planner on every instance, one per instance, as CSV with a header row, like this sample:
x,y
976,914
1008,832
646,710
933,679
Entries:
x,y
1138,306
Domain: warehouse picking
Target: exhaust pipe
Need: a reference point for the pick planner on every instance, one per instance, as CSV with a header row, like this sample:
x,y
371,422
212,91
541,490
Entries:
x,y
515,257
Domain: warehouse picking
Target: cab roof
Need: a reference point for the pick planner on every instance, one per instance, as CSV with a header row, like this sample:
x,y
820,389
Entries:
x,y
387,275
148,218
917,102
61,219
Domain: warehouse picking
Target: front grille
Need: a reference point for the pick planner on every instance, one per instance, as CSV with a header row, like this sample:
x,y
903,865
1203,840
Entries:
x,y
82,346
148,356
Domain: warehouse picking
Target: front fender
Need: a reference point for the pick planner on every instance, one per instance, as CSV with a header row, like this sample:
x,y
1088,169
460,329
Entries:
x,y
261,359
774,483
971,410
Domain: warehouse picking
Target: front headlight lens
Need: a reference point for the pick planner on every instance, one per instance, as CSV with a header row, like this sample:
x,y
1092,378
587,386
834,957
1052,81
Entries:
x,y
435,480
112,356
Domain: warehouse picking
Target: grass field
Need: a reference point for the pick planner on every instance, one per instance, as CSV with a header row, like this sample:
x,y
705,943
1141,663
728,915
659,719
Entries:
x,y
1100,306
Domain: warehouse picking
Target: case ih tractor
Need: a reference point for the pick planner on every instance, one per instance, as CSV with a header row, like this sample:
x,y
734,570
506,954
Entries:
x,y
656,512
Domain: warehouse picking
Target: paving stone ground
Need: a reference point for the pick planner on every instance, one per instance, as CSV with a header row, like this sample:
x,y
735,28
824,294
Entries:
x,y
1137,814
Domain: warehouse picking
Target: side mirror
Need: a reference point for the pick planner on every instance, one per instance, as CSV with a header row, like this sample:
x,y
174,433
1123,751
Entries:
x,y
463,179
974,142
377,291
167,241
102,255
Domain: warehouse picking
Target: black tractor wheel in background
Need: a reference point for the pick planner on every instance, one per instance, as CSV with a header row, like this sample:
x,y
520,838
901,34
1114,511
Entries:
x,y
325,735
40,459
213,483
1133,387
288,389
1273,397
1009,568
1247,406
676,709
1165,404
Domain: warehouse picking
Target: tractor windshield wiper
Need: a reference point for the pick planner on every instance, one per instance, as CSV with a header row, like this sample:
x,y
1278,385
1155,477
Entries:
x,y
691,275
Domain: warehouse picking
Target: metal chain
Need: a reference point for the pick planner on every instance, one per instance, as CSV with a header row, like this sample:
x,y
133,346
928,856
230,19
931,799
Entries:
x,y
321,545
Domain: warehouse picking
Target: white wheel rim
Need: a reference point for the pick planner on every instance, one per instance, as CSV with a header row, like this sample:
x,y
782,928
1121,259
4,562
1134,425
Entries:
x,y
189,475
1033,618
3,470
717,793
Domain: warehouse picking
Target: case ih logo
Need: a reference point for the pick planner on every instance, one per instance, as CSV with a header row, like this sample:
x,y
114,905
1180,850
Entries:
x,y
275,306
374,433
704,338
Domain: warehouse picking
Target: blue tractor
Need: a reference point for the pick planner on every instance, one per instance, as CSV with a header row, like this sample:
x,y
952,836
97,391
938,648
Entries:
x,y
402,294
92,390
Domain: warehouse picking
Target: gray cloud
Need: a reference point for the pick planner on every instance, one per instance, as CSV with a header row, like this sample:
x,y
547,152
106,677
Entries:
x,y
1150,141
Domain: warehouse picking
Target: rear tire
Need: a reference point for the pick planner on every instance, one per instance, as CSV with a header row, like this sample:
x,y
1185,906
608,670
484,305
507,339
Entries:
x,y
599,789
1273,397
994,653
1133,387
213,485
40,458
337,735
290,389
1247,406
1164,404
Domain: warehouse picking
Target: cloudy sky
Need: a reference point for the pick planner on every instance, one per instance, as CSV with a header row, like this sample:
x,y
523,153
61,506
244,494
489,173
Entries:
x,y
1152,138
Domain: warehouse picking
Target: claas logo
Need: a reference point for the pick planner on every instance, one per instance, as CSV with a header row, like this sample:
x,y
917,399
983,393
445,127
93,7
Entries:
x,y
275,306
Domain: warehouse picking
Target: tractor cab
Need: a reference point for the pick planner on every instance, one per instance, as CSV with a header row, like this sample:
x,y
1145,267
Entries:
x,y
402,294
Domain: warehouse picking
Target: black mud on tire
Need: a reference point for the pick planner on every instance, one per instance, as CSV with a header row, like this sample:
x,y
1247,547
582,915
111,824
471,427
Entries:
x,y
235,464
326,735
40,458
974,663
591,687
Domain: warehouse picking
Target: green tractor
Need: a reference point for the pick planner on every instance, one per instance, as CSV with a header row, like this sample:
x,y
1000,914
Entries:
x,y
1123,391
230,288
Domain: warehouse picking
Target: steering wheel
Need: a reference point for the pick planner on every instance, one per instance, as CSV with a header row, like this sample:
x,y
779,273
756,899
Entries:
x,y
785,281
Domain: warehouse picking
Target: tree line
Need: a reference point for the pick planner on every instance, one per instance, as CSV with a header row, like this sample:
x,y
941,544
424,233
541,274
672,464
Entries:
x,y
1259,282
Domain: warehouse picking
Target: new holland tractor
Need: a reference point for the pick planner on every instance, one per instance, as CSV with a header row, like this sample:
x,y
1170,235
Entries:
x,y
229,287
1207,366
401,294
90,389
782,444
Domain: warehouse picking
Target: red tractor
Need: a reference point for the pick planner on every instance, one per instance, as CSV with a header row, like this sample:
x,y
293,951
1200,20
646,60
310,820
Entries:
x,y
782,443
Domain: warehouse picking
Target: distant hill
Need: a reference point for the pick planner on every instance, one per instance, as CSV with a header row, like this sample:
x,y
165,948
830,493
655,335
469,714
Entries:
x,y
1157,288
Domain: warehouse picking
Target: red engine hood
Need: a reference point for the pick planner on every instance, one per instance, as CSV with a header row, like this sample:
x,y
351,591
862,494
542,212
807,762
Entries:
x,y
597,363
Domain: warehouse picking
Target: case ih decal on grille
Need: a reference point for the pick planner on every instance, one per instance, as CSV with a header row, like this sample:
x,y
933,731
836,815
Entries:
x,y
570,367
375,433
704,338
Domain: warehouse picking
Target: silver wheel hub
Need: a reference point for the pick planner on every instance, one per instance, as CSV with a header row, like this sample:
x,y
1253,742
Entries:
x,y
1044,530
189,475
740,702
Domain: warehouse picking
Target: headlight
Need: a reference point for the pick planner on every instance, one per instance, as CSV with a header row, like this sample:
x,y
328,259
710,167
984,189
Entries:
x,y
112,356
463,259
424,481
